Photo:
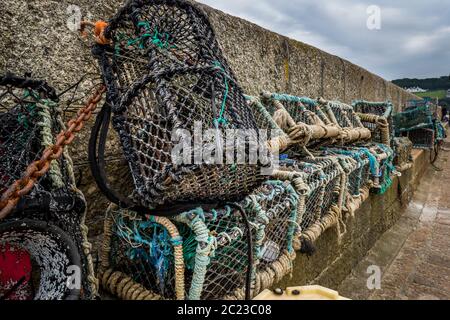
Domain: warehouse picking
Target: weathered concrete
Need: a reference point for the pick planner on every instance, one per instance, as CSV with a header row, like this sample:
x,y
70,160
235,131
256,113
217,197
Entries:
x,y
414,255
334,260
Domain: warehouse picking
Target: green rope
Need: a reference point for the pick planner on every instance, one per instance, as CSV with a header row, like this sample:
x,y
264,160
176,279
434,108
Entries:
x,y
22,119
160,40
221,120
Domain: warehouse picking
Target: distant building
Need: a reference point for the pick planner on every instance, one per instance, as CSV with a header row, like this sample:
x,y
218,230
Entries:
x,y
415,90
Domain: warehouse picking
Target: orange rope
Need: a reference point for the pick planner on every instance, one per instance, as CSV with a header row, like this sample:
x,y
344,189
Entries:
x,y
99,30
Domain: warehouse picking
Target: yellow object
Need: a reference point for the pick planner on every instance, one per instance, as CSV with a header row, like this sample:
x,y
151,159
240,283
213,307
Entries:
x,y
300,293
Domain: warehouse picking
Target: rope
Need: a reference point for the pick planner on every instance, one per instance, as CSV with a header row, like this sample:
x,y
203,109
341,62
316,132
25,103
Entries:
x,y
221,120
99,31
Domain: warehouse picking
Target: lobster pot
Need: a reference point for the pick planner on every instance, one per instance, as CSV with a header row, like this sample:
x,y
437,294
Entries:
x,y
343,116
380,126
31,120
139,255
359,170
173,97
403,148
173,133
147,36
385,157
28,122
44,257
422,138
413,118
301,119
215,249
301,109
263,118
326,183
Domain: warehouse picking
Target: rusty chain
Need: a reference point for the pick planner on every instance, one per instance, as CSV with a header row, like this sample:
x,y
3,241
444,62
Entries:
x,y
39,168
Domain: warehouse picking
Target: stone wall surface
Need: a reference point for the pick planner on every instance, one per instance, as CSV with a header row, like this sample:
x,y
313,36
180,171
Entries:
x,y
35,38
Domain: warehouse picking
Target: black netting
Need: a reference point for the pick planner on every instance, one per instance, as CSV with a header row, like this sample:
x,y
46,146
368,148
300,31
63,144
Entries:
x,y
422,138
166,75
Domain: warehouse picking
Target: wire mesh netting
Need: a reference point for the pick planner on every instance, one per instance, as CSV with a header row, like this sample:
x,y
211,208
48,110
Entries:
x,y
215,248
382,125
31,120
163,84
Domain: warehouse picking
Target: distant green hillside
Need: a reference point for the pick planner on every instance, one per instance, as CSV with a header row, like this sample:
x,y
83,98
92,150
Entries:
x,y
433,94
431,84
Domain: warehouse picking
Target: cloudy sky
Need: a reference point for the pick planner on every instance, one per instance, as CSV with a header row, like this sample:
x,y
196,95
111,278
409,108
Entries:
x,y
413,39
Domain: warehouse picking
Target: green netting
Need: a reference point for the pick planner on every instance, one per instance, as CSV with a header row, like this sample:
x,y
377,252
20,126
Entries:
x,y
412,119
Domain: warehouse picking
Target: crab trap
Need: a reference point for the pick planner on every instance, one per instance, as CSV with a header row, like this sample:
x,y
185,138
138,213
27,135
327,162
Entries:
x,y
31,120
173,98
323,182
313,123
230,253
403,157
378,118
